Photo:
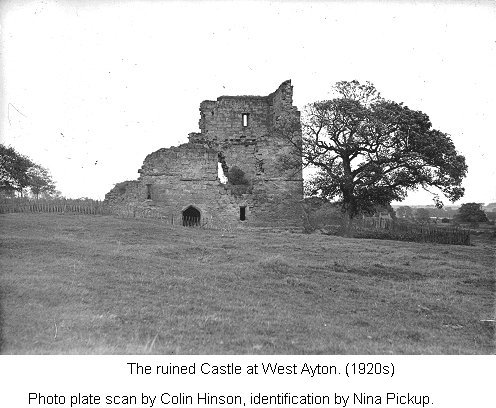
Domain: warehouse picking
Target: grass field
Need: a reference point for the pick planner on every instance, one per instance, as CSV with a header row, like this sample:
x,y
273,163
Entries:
x,y
98,284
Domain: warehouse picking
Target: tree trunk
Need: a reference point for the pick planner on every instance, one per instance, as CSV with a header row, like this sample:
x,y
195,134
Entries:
x,y
347,225
348,197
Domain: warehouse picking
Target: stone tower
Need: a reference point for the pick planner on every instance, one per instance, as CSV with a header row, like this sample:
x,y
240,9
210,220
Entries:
x,y
242,132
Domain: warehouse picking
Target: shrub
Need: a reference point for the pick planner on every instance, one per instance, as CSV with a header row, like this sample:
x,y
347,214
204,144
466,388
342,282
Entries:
x,y
321,214
237,177
120,187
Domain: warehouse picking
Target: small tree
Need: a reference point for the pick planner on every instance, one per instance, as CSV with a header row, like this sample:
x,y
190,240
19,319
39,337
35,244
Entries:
x,y
404,212
40,181
471,212
422,215
18,174
52,195
385,210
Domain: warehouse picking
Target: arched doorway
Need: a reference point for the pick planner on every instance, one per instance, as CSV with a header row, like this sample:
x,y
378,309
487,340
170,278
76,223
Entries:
x,y
191,217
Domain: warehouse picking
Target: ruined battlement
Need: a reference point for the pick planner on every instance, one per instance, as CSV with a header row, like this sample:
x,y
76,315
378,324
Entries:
x,y
235,131
241,117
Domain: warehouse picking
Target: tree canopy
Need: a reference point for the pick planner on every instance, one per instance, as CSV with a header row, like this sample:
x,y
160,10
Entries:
x,y
13,170
422,215
404,211
18,174
471,212
370,151
40,181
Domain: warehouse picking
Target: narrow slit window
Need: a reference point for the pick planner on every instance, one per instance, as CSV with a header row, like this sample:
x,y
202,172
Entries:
x,y
148,191
242,213
245,119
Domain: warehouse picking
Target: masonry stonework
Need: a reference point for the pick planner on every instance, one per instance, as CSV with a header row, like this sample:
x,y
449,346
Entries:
x,y
235,131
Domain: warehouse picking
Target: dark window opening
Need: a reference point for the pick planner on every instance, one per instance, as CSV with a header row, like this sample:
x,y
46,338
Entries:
x,y
148,191
191,217
245,119
242,213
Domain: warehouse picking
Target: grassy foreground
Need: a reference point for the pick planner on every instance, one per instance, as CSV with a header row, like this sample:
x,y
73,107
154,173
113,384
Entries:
x,y
98,284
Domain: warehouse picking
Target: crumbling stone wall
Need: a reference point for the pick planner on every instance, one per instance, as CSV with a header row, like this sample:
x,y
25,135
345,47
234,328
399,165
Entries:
x,y
173,179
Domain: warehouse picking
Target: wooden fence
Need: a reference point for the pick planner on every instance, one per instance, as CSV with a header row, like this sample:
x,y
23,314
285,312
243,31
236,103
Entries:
x,y
393,229
95,207
415,232
22,205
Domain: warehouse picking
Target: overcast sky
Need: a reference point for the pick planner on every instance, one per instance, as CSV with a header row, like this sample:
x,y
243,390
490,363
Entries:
x,y
89,88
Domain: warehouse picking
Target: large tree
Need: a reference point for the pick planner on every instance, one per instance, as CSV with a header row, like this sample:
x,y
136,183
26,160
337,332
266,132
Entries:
x,y
370,151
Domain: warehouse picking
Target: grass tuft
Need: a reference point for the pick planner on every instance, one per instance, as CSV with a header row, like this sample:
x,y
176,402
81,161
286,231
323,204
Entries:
x,y
276,264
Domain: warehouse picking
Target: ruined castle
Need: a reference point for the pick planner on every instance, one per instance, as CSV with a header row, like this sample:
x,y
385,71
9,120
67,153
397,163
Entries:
x,y
241,169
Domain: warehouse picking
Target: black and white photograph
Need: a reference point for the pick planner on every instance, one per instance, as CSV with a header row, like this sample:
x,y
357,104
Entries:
x,y
247,178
